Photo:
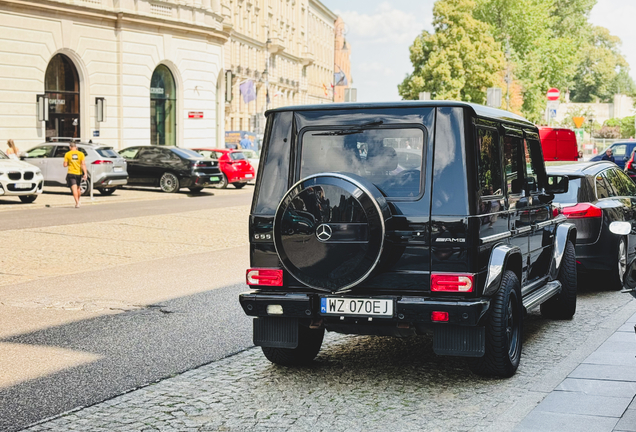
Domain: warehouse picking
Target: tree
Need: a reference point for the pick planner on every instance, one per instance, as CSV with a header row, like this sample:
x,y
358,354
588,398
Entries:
x,y
603,71
459,61
624,125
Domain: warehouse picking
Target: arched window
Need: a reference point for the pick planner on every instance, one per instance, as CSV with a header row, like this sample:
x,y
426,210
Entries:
x,y
163,107
61,85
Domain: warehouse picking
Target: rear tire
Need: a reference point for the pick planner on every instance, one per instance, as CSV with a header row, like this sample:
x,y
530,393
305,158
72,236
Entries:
x,y
107,191
563,305
618,274
223,183
309,343
169,183
85,187
503,331
27,199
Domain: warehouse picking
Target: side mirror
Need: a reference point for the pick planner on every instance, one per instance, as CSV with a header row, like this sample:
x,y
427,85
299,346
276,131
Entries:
x,y
620,228
557,184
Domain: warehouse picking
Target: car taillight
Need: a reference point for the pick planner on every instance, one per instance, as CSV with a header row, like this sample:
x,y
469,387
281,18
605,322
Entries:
x,y
102,162
629,163
269,277
452,282
582,211
439,316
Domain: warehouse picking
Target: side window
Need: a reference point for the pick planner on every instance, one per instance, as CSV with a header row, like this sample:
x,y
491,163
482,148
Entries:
x,y
40,152
533,164
129,153
150,154
602,189
619,151
514,181
628,185
60,151
489,163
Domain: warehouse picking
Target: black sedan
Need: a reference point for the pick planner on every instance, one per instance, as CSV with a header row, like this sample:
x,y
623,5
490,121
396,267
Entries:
x,y
599,193
170,168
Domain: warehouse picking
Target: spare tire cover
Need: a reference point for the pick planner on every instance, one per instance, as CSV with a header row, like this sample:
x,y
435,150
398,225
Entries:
x,y
329,230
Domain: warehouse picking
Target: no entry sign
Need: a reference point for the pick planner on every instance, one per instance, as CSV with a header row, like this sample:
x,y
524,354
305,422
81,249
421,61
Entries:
x,y
553,94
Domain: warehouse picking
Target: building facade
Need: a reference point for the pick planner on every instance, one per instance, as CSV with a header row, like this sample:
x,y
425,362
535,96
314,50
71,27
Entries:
x,y
280,52
154,67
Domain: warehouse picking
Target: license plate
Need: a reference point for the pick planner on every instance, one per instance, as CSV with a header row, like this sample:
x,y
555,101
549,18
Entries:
x,y
118,169
23,185
248,176
356,306
214,179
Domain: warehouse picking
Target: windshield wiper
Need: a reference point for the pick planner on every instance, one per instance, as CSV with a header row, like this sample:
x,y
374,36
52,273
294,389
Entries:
x,y
351,131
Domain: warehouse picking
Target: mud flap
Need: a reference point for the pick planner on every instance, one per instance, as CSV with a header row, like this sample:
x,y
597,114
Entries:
x,y
276,332
459,340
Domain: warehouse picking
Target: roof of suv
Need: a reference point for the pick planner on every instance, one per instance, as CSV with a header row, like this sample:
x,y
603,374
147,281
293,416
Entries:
x,y
479,110
580,169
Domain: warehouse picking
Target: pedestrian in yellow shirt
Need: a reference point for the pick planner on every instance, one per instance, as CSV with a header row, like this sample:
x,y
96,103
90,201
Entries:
x,y
74,160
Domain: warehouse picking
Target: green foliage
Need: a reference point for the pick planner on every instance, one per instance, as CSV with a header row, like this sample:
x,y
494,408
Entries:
x,y
602,71
624,125
576,111
457,62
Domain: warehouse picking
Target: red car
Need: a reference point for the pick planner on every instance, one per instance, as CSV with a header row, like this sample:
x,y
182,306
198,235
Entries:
x,y
235,167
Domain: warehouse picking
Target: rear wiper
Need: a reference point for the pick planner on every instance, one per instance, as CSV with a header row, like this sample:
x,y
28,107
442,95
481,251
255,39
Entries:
x,y
351,131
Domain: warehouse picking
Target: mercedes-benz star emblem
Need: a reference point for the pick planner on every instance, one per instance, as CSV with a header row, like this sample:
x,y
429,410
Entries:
x,y
323,232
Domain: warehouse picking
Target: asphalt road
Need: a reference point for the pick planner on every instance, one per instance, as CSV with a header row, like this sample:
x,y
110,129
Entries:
x,y
164,316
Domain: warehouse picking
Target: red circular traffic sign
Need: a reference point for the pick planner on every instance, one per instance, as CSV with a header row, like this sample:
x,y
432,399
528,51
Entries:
x,y
553,94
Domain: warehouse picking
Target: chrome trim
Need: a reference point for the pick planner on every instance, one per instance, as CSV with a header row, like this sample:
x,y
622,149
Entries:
x,y
496,237
533,286
541,295
375,203
524,229
498,259
545,224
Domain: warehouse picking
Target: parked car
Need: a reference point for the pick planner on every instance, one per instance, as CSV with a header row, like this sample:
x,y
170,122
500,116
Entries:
x,y
599,193
106,168
558,144
254,159
460,243
234,165
20,179
630,169
621,152
170,168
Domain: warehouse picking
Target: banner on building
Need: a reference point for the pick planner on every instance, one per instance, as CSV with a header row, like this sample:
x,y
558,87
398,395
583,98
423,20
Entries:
x,y
340,78
248,90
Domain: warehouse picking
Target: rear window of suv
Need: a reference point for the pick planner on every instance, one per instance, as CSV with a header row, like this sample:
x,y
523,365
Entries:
x,y
107,152
391,158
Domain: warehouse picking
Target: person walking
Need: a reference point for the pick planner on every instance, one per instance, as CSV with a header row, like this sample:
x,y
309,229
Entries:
x,y
75,161
12,151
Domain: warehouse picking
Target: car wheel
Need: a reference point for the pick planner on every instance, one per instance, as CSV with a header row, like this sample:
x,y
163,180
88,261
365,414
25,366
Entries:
x,y
503,331
169,183
563,305
107,191
28,198
618,274
85,186
238,185
195,189
309,343
223,183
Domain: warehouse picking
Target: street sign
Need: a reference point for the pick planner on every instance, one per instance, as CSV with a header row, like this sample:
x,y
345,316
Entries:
x,y
579,134
553,94
195,114
493,97
95,133
553,113
578,121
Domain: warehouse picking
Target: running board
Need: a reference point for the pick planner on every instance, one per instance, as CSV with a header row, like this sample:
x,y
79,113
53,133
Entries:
x,y
542,294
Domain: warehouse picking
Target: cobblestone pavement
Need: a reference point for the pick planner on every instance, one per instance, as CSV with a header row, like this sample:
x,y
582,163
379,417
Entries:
x,y
357,384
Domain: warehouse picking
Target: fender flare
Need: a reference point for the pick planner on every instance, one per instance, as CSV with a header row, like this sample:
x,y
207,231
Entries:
x,y
564,232
503,257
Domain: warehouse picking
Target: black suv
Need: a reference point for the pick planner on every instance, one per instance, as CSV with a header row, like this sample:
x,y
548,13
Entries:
x,y
404,218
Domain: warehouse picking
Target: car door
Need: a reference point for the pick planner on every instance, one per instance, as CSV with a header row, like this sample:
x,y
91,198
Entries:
x,y
39,156
540,236
149,165
519,223
624,192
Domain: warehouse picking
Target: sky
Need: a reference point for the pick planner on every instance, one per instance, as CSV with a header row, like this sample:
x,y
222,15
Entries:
x,y
380,33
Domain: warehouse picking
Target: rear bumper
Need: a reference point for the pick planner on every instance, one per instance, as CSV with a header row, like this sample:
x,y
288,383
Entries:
x,y
111,180
407,311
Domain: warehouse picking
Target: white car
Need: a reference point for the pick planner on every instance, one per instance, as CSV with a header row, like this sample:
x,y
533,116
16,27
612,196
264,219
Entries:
x,y
20,179
253,158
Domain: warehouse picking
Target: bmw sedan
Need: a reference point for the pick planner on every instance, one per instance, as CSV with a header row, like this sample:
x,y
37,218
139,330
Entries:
x,y
170,168
599,193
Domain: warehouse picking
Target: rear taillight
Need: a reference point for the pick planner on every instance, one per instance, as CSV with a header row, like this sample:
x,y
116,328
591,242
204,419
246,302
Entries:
x,y
629,163
269,277
439,316
582,211
102,162
452,282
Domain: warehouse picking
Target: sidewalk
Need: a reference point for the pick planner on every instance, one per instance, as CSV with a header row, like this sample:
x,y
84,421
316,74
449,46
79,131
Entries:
x,y
598,395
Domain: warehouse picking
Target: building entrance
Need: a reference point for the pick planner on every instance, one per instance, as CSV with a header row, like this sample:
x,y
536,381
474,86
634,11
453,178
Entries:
x,y
163,108
62,87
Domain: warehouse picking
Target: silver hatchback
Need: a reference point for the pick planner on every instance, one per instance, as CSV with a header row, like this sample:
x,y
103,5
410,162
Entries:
x,y
106,167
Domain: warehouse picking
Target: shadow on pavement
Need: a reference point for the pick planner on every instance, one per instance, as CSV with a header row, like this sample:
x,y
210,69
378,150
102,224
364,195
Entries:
x,y
138,347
